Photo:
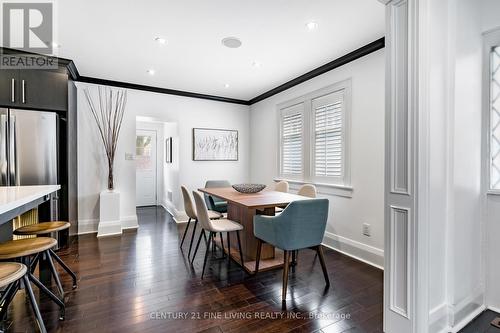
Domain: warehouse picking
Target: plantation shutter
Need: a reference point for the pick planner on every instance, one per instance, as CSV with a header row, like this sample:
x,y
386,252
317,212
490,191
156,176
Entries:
x,y
329,143
292,127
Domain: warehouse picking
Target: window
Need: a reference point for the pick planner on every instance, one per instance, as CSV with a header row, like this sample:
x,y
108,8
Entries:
x,y
328,156
314,136
494,138
292,128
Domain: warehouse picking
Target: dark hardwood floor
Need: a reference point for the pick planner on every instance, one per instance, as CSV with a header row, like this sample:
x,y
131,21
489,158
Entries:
x,y
481,324
142,282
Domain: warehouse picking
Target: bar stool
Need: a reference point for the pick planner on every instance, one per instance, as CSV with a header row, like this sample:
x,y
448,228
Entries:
x,y
11,275
28,251
46,228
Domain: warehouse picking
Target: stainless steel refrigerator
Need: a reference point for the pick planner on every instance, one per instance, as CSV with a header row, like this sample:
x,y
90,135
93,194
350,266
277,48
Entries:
x,y
28,148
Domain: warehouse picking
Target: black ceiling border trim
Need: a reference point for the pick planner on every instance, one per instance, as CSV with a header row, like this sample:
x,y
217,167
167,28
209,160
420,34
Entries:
x,y
354,55
127,85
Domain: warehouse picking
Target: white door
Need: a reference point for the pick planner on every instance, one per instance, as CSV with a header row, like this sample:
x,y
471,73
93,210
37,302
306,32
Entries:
x,y
146,168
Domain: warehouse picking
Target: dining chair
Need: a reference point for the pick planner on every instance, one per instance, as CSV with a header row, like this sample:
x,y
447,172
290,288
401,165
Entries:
x,y
214,203
191,213
301,225
308,190
221,226
282,186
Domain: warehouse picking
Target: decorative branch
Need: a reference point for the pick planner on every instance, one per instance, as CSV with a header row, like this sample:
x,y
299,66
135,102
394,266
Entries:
x,y
109,118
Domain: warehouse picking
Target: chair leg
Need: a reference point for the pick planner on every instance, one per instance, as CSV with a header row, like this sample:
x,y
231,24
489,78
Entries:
x,y
222,245
55,274
34,305
206,254
286,267
239,248
185,232
257,257
7,298
319,250
49,293
192,237
65,267
34,262
202,233
228,249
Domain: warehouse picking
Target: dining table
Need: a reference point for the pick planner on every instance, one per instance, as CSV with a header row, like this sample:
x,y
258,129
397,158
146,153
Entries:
x,y
241,208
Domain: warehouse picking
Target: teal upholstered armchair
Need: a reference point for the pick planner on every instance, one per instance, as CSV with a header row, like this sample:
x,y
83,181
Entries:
x,y
214,203
301,225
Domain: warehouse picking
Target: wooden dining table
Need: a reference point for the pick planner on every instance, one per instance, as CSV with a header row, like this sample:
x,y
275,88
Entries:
x,y
241,208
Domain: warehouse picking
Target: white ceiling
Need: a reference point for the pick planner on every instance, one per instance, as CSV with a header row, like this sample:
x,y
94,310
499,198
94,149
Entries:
x,y
114,40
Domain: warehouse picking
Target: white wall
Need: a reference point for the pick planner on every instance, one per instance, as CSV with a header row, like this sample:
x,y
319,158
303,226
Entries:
x,y
344,230
466,244
456,262
491,20
186,113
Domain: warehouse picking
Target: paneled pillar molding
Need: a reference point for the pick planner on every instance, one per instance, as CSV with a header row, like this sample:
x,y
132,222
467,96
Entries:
x,y
406,169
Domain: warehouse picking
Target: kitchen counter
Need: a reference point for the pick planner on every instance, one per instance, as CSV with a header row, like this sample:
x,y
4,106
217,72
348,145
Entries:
x,y
16,200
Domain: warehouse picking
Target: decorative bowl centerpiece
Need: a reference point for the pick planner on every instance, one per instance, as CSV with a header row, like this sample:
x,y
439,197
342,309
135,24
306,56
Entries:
x,y
249,188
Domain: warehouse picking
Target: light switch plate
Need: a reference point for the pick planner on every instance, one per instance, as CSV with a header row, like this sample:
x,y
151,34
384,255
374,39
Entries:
x,y
129,157
367,230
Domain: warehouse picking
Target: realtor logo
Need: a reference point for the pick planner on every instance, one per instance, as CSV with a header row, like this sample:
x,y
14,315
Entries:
x,y
28,26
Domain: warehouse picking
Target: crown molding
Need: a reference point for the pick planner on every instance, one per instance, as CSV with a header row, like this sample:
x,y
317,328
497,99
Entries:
x,y
356,54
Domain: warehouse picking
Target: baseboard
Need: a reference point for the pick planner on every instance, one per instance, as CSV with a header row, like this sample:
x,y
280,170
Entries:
x,y
439,319
177,216
467,319
359,251
493,308
91,226
109,228
88,226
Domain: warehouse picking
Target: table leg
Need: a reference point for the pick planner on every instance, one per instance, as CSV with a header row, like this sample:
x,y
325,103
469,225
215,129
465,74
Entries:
x,y
270,257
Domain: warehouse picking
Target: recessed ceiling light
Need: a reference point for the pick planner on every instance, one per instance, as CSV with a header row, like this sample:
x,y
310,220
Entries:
x,y
231,42
226,85
160,40
151,71
312,25
256,64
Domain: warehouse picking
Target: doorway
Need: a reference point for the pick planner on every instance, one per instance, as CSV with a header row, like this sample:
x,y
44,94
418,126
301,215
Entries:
x,y
146,168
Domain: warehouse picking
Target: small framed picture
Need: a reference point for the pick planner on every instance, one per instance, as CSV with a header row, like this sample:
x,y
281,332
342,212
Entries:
x,y
168,150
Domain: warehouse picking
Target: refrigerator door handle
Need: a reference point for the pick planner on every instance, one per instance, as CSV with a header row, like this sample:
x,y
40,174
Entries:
x,y
13,165
12,90
24,92
4,167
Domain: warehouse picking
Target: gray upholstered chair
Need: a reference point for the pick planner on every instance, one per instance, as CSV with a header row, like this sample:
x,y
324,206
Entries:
x,y
191,213
308,190
301,225
214,203
214,227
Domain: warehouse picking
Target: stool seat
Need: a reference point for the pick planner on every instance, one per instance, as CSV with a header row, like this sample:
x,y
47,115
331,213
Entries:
x,y
42,228
10,272
25,247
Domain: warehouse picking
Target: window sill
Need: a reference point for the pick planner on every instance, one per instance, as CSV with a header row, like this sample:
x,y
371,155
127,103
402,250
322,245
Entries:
x,y
322,188
493,192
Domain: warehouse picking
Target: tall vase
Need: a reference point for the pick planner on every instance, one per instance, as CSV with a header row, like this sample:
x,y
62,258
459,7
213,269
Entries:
x,y
111,183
